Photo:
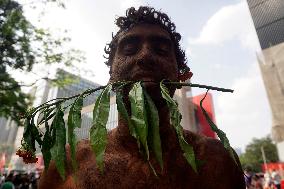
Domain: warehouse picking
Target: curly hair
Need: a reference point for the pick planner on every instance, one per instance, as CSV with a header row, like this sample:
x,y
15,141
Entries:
x,y
148,15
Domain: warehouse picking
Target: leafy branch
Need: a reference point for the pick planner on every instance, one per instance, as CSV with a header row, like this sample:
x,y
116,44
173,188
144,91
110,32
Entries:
x,y
143,125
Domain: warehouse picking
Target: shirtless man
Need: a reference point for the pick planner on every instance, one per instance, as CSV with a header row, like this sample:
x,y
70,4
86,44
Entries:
x,y
147,48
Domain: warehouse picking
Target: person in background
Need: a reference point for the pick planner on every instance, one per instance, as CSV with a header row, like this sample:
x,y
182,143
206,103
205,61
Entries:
x,y
248,177
256,182
276,179
7,185
2,179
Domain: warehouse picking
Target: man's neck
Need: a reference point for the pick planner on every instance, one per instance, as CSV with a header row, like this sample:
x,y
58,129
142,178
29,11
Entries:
x,y
167,132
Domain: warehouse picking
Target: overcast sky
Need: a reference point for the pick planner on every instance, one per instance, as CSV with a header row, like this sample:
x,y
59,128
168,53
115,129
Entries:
x,y
220,43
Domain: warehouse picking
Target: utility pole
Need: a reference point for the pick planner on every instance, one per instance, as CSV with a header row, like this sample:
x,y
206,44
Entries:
x,y
263,157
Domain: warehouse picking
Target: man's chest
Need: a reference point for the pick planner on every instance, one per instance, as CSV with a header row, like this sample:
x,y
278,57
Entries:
x,y
127,171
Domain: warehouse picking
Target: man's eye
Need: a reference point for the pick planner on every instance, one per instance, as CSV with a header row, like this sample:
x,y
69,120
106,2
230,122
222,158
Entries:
x,y
129,49
162,49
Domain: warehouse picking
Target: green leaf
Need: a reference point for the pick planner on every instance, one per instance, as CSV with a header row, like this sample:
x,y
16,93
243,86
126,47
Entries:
x,y
47,143
98,131
45,150
74,120
175,117
153,128
139,116
58,152
218,131
123,112
48,114
28,136
35,133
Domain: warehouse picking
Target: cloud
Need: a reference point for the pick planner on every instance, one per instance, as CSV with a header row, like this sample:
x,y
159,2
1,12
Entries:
x,y
245,113
229,23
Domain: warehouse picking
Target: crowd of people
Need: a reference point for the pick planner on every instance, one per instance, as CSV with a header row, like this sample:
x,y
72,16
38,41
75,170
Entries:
x,y
19,180
268,180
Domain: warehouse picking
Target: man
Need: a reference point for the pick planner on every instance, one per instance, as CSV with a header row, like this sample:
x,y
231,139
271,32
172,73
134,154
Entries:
x,y
147,48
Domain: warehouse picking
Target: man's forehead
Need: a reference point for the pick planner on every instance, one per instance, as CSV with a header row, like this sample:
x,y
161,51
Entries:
x,y
145,31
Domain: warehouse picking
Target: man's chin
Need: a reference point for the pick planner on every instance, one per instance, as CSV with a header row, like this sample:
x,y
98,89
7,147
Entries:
x,y
154,91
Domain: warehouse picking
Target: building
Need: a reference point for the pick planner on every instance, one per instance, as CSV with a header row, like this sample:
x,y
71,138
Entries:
x,y
8,131
268,18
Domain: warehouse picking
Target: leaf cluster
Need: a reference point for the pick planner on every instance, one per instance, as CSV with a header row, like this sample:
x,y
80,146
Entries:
x,y
143,123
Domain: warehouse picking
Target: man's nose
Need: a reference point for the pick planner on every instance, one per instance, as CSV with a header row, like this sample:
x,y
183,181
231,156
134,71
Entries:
x,y
145,55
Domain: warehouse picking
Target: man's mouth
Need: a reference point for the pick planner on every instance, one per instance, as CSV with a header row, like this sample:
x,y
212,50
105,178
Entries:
x,y
145,76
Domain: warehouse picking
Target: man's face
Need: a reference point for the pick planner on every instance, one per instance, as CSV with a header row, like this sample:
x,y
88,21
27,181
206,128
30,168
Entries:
x,y
145,53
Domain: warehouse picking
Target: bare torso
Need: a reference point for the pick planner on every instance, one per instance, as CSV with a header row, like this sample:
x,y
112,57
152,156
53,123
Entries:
x,y
125,168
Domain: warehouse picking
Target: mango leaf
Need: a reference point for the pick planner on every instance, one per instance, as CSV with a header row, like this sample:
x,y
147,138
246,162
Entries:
x,y
175,117
222,136
48,114
35,133
58,152
98,131
74,120
139,116
28,136
153,128
123,112
47,143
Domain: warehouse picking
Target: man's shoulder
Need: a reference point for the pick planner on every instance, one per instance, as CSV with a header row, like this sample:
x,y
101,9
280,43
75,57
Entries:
x,y
204,145
218,163
209,149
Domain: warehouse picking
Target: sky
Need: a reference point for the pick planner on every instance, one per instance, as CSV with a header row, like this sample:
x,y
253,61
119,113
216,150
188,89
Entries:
x,y
220,42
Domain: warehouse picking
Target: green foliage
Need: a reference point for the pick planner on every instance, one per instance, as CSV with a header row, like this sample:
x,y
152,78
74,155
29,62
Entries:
x,y
175,117
31,134
143,125
13,101
74,120
98,132
154,139
123,112
58,152
22,45
222,136
47,142
253,157
63,78
15,36
139,117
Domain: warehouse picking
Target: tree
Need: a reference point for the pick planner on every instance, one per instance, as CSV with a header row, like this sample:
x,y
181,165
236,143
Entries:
x,y
22,45
253,155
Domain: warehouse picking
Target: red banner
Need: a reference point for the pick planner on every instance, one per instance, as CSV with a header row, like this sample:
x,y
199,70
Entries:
x,y
202,125
273,166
